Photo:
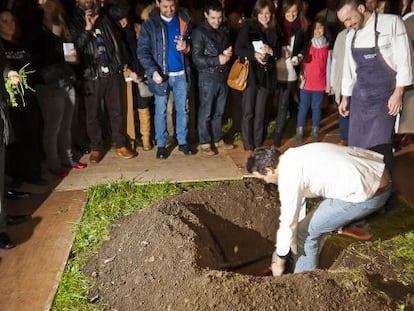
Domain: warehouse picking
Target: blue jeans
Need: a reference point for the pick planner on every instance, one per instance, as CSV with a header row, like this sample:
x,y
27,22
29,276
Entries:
x,y
313,100
213,95
330,215
178,86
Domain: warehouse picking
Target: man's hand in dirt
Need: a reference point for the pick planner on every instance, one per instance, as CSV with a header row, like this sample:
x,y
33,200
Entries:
x,y
278,266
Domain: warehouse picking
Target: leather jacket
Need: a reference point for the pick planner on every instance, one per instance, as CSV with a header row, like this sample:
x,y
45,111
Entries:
x,y
86,45
153,48
207,44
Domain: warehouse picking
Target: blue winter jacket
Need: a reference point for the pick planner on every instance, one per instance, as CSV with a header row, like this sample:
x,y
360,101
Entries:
x,y
152,48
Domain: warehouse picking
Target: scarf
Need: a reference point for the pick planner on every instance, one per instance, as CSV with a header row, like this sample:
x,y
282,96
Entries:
x,y
319,42
290,29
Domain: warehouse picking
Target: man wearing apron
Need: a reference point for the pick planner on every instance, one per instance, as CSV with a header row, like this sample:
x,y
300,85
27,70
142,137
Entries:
x,y
377,67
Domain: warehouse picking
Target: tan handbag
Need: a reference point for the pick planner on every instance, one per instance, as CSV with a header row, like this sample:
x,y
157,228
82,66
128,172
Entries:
x,y
237,78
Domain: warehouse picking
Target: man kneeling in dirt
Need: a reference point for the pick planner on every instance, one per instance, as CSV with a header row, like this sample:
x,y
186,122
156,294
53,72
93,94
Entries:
x,y
353,182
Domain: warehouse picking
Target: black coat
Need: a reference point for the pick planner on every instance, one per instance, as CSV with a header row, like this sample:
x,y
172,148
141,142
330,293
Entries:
x,y
261,75
86,45
207,44
5,128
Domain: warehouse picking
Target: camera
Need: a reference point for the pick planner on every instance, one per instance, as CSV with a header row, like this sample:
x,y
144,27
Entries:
x,y
96,9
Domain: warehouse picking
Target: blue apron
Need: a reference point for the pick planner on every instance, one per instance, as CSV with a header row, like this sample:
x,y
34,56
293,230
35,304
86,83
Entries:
x,y
369,123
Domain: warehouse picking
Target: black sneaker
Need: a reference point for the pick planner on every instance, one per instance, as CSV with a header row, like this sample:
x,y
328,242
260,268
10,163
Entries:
x,y
5,241
161,153
185,149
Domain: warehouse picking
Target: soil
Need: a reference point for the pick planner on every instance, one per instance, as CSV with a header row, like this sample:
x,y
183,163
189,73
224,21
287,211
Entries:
x,y
205,249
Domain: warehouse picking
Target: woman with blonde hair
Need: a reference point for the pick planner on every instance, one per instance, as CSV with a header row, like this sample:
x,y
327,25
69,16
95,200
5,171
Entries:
x,y
55,90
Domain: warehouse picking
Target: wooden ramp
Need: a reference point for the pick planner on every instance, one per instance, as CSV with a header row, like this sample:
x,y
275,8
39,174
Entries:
x,y
31,271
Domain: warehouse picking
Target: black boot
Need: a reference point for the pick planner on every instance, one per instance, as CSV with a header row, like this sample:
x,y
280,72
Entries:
x,y
315,134
299,134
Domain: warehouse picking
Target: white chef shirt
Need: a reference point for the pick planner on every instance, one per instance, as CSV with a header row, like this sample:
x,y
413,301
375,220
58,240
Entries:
x,y
327,170
393,45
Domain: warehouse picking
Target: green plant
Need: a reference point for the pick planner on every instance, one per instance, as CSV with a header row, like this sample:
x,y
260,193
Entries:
x,y
18,89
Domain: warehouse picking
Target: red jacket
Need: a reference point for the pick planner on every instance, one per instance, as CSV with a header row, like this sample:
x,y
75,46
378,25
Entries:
x,y
315,68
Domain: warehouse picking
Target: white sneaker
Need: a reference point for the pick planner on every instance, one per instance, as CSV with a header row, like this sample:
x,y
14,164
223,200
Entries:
x,y
206,150
223,145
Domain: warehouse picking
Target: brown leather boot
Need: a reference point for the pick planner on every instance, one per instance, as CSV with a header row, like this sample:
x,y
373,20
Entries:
x,y
145,128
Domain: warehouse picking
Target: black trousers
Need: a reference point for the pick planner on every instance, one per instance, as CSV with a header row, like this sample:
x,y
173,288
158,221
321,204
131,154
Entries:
x,y
254,101
108,90
24,154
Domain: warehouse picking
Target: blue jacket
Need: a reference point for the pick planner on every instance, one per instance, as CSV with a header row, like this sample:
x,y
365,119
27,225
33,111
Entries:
x,y
152,48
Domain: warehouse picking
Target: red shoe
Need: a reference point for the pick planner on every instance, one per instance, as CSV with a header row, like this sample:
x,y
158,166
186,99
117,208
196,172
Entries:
x,y
59,173
358,232
76,165
267,272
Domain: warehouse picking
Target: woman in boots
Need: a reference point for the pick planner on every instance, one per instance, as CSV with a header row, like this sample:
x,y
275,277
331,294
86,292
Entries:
x,y
142,98
294,29
314,81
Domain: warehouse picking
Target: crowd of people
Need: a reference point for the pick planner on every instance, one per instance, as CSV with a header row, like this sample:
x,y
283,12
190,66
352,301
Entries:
x,y
177,56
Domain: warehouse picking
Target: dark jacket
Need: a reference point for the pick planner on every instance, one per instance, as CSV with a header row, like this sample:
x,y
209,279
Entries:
x,y
5,127
260,75
47,56
152,48
207,44
300,43
86,45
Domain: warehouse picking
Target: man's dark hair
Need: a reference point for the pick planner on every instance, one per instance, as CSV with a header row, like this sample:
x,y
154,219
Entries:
x,y
352,3
213,5
262,158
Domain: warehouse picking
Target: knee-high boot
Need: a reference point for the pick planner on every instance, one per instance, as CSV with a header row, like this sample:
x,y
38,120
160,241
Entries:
x,y
145,128
315,134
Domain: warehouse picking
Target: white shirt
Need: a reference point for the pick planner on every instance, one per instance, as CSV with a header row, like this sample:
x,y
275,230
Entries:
x,y
327,170
392,42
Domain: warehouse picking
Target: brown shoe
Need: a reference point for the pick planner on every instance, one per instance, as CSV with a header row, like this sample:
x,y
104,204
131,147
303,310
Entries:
x,y
96,156
248,153
125,153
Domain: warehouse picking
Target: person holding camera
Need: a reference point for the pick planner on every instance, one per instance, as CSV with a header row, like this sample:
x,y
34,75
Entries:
x,y
103,56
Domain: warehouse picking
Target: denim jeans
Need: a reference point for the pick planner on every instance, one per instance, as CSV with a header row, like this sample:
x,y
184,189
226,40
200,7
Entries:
x,y
57,106
313,100
343,127
330,215
178,86
213,95
344,124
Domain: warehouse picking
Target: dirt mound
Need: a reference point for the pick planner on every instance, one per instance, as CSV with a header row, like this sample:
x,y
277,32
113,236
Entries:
x,y
205,249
